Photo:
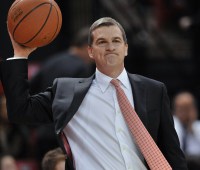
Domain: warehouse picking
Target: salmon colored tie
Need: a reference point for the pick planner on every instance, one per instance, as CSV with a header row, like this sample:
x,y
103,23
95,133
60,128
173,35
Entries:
x,y
148,147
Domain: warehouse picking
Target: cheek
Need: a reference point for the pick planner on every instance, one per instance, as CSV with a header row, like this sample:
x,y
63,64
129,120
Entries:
x,y
98,55
125,51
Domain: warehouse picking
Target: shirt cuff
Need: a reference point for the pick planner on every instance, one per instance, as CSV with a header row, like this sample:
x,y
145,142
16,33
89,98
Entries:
x,y
16,58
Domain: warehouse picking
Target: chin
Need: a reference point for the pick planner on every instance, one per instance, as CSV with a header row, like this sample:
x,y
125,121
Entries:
x,y
112,61
112,64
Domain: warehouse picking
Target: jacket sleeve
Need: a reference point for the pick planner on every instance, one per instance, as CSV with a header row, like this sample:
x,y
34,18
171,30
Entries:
x,y
21,107
167,137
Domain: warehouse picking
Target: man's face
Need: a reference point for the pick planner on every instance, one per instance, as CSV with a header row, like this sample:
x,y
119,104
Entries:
x,y
108,48
185,108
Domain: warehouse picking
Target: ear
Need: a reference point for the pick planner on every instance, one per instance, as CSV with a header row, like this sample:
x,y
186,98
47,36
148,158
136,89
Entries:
x,y
126,49
90,52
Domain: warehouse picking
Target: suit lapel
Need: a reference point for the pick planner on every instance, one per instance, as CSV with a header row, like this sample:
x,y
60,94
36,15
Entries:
x,y
81,88
139,97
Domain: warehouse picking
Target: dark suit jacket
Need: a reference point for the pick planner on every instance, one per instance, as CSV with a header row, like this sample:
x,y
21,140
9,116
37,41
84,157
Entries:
x,y
59,103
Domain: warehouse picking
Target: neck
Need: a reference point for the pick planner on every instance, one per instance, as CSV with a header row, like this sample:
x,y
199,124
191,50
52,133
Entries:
x,y
113,73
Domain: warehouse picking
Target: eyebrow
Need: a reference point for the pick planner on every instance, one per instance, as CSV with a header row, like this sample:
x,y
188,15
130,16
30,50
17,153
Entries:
x,y
118,38
101,39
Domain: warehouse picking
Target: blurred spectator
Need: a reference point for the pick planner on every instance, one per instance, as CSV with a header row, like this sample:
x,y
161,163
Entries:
x,y
186,123
54,160
13,139
73,62
29,164
7,162
187,126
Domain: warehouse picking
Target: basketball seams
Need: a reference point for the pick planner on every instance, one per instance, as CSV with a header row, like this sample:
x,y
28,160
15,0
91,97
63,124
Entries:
x,y
15,3
56,31
41,26
27,15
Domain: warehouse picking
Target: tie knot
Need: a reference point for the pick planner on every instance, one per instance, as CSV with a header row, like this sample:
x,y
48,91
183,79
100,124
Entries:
x,y
115,82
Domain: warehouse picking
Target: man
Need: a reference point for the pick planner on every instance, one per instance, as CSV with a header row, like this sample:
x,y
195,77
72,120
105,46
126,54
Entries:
x,y
186,123
87,112
54,160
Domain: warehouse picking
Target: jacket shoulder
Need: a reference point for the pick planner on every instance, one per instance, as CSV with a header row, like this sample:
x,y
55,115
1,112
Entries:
x,y
145,80
68,80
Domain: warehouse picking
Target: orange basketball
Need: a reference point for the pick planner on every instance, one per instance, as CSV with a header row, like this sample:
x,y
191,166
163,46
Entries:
x,y
34,23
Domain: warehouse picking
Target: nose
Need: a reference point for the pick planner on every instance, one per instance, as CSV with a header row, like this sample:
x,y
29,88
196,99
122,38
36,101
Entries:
x,y
110,47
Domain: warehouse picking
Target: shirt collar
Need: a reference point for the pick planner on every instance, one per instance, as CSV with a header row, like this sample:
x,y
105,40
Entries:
x,y
103,80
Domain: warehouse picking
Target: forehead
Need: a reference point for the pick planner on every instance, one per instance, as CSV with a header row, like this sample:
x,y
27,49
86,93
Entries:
x,y
184,99
107,32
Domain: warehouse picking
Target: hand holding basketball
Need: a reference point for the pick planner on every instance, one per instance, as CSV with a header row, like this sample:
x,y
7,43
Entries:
x,y
19,50
34,23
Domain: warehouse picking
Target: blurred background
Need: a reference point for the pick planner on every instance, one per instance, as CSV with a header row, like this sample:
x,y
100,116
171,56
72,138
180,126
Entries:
x,y
163,38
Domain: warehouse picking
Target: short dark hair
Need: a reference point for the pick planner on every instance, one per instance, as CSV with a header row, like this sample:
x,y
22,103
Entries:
x,y
106,21
52,158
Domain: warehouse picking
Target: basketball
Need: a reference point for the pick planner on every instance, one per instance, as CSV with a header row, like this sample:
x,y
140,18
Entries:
x,y
34,23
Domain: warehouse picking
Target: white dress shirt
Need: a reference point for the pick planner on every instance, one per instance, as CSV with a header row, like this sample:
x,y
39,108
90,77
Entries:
x,y
192,140
98,135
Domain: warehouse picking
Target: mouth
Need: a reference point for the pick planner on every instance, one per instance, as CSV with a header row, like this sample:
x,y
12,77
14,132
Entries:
x,y
110,54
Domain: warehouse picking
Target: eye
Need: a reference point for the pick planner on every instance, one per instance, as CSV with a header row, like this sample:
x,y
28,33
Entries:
x,y
101,42
116,40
